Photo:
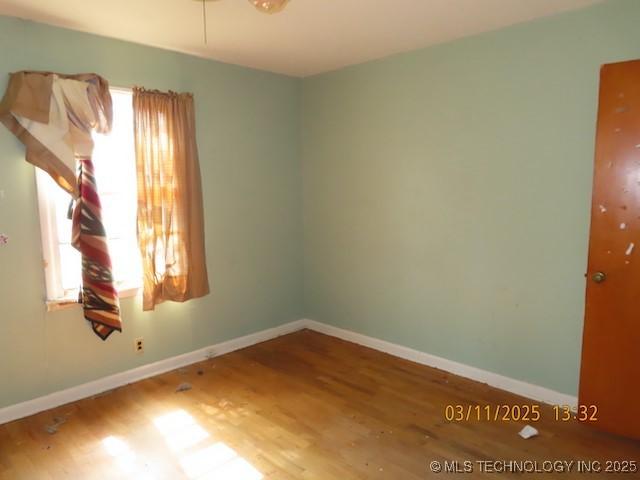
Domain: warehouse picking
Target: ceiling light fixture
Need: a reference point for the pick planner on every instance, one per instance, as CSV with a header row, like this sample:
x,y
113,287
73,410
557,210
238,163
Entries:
x,y
269,6
265,6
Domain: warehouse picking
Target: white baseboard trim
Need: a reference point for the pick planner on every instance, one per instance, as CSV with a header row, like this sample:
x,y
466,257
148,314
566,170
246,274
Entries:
x,y
518,387
62,397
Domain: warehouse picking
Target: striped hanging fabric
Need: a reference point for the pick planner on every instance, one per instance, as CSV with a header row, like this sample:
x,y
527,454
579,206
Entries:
x,y
99,297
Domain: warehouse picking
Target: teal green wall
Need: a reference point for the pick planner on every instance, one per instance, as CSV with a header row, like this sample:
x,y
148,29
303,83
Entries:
x,y
248,139
438,199
447,192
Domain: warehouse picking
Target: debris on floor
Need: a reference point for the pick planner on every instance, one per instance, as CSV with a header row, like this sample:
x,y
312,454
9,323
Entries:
x,y
528,432
183,387
200,372
53,428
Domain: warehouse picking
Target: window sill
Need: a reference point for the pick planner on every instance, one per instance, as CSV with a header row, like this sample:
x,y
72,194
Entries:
x,y
71,300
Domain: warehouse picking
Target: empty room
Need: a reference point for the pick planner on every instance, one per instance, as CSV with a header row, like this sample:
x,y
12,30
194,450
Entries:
x,y
319,239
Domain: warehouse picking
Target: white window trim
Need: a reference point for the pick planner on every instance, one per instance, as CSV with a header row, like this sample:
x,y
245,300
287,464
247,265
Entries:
x,y
57,298
48,230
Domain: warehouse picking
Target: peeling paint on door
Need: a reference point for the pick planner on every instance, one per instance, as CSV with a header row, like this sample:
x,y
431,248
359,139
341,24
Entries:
x,y
629,249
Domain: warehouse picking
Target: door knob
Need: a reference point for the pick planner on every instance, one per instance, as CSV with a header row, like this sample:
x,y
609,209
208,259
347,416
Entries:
x,y
598,277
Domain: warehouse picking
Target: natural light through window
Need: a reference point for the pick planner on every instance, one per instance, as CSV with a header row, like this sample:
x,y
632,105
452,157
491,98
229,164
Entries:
x,y
218,462
126,460
119,450
199,456
115,168
180,430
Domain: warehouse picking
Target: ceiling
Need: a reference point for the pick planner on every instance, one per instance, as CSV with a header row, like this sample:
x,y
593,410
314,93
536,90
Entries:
x,y
309,37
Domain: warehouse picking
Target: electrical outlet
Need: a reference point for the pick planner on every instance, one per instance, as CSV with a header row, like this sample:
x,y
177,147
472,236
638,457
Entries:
x,y
139,345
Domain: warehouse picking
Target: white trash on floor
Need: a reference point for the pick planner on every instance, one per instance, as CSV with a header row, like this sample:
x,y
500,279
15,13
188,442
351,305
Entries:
x,y
528,432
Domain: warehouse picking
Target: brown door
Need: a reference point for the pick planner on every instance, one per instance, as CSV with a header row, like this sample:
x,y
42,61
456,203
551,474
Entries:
x,y
610,373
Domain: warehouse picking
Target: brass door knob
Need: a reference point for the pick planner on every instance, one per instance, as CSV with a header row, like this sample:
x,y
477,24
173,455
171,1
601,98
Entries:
x,y
599,277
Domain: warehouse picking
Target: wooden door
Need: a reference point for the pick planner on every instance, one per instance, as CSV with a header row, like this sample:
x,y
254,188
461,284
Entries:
x,y
610,372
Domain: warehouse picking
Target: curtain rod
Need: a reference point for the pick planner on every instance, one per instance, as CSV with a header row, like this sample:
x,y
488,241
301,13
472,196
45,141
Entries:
x,y
120,89
161,92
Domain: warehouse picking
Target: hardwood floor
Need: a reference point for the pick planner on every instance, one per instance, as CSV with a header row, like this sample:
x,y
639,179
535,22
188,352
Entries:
x,y
302,406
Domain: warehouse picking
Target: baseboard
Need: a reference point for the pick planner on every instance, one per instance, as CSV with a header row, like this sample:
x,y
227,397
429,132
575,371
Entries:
x,y
47,402
62,397
518,387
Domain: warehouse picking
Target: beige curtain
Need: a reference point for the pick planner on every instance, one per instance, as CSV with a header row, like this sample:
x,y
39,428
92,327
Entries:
x,y
170,215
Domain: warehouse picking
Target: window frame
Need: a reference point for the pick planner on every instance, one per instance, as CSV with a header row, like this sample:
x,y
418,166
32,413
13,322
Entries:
x,y
57,297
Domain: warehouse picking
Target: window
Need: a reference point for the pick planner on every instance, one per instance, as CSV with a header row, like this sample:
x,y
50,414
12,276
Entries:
x,y
115,168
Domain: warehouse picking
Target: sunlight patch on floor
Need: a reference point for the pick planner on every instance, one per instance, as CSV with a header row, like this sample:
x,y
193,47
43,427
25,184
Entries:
x,y
180,430
217,461
199,457
125,458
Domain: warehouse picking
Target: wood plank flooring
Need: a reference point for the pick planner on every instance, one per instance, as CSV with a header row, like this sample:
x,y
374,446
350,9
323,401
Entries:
x,y
302,406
